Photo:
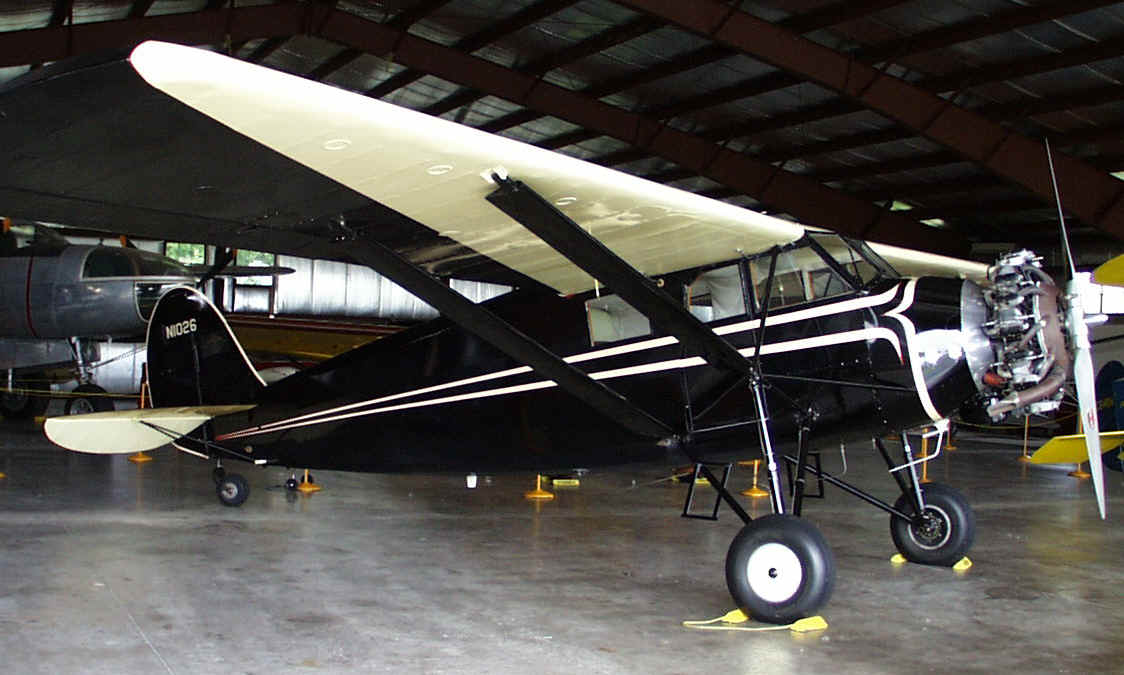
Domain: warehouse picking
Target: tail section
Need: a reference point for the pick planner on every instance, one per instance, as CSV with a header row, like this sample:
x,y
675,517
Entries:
x,y
193,357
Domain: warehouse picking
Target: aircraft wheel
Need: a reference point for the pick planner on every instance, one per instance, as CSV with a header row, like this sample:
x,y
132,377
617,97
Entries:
x,y
19,405
945,533
233,490
94,402
291,483
780,569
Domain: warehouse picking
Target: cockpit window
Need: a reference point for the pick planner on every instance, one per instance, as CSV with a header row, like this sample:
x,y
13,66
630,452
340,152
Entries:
x,y
821,265
855,257
717,294
107,262
791,281
153,265
611,319
30,239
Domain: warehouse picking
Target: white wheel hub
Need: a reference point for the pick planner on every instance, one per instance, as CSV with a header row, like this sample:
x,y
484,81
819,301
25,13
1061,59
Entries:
x,y
774,572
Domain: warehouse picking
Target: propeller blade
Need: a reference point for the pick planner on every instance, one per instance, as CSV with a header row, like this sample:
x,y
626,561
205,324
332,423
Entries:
x,y
1084,376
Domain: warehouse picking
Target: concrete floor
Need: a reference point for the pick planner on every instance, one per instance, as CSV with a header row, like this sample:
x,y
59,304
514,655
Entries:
x,y
111,567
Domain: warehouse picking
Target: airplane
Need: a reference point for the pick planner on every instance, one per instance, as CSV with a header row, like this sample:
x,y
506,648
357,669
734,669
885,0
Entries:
x,y
61,302
646,321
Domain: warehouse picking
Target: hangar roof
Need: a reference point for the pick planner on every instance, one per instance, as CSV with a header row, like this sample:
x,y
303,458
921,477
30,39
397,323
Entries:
x,y
920,121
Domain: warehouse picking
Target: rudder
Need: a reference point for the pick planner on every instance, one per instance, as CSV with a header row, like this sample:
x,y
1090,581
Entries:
x,y
193,356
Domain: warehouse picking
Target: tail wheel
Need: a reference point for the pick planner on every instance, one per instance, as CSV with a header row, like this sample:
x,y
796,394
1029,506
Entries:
x,y
942,535
87,398
233,489
780,569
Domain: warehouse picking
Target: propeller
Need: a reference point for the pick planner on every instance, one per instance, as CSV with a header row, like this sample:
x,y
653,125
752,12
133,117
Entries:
x,y
1078,329
1083,376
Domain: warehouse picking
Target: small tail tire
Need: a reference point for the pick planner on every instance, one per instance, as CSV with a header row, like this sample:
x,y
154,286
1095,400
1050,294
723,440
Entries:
x,y
233,490
780,569
944,534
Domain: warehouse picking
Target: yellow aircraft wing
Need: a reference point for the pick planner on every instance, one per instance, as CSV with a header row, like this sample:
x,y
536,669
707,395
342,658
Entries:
x,y
1110,273
1071,449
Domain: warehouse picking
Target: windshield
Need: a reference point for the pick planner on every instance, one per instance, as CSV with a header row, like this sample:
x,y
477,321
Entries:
x,y
31,238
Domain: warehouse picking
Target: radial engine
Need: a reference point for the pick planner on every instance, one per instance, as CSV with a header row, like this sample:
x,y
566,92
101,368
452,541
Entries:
x,y
1025,360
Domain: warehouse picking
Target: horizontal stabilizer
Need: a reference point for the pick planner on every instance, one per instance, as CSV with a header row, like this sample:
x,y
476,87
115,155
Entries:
x,y
129,431
1071,449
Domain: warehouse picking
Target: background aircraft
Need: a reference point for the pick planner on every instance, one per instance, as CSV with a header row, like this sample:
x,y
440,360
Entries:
x,y
832,343
62,305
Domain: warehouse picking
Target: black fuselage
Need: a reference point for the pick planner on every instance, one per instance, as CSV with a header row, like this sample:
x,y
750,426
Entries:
x,y
435,397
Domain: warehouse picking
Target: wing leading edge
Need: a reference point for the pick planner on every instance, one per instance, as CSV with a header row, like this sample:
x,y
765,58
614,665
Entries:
x,y
438,173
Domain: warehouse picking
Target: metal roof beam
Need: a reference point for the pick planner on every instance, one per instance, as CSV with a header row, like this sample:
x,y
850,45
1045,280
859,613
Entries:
x,y
946,36
194,28
60,12
806,22
1093,195
496,30
340,60
408,17
594,44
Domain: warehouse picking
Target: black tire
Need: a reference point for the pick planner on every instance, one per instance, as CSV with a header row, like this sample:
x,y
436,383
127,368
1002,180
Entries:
x,y
96,400
233,490
779,569
20,405
947,533
291,483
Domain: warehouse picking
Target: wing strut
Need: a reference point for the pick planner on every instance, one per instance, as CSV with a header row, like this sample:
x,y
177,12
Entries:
x,y
529,209
503,336
538,215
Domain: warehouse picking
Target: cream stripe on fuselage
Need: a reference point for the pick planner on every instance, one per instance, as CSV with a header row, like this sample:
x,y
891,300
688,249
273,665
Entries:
x,y
831,309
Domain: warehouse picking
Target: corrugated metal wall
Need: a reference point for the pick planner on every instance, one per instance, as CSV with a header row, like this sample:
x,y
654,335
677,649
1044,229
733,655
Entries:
x,y
325,288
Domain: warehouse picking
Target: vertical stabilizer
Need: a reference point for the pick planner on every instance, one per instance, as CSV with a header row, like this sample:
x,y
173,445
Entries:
x,y
193,357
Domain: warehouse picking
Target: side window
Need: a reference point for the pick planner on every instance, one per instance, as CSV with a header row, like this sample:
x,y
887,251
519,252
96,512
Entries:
x,y
612,320
717,294
847,257
254,259
826,283
107,262
802,274
789,286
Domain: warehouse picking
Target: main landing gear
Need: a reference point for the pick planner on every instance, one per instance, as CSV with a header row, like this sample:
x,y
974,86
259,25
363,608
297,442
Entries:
x,y
779,567
232,488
